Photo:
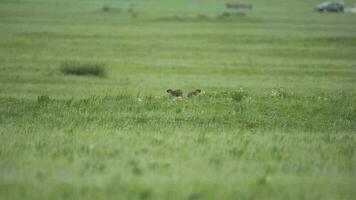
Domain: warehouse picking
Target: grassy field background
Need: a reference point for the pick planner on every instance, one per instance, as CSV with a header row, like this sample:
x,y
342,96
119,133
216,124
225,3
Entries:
x,y
277,121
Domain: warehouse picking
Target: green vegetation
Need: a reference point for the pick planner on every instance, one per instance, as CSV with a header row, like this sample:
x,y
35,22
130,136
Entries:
x,y
84,112
75,68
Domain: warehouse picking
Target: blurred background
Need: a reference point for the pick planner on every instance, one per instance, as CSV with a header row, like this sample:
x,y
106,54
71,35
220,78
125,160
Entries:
x,y
150,45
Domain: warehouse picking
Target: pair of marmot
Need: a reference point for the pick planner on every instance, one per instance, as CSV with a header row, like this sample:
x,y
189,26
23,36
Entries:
x,y
178,93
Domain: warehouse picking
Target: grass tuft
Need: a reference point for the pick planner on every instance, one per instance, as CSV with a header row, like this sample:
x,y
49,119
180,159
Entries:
x,y
231,15
105,9
82,69
279,93
43,99
109,9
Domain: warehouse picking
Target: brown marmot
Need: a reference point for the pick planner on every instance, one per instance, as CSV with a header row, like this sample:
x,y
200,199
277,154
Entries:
x,y
194,93
175,93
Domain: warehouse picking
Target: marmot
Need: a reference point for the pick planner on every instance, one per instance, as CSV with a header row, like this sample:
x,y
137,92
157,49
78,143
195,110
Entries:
x,y
175,93
194,93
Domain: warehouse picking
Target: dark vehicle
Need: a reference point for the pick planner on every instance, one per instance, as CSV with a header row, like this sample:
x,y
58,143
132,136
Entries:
x,y
330,6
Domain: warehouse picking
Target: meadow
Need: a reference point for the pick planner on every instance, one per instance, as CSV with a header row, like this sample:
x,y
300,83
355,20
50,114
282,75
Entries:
x,y
84,112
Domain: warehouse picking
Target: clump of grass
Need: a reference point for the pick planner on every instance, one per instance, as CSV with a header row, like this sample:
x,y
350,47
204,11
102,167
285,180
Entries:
x,y
105,8
230,15
82,69
235,95
134,15
43,99
279,93
132,12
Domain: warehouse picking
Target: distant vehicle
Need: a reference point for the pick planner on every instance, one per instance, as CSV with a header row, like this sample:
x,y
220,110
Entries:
x,y
351,9
330,6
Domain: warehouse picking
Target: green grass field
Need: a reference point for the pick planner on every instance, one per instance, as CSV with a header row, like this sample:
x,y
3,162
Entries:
x,y
84,112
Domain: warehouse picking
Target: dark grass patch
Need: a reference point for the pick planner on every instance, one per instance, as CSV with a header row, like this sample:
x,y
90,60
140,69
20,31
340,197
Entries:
x,y
108,9
43,99
105,8
229,15
82,68
221,18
